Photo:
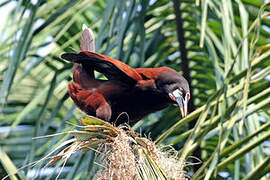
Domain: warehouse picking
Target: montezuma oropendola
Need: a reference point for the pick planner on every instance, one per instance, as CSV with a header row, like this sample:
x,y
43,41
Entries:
x,y
137,92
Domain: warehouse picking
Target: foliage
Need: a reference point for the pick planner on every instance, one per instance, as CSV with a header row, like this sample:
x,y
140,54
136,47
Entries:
x,y
227,45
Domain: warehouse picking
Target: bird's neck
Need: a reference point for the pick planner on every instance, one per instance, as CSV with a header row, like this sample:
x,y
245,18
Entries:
x,y
149,90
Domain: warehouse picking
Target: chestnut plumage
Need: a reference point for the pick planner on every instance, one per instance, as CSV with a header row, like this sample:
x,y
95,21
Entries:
x,y
129,94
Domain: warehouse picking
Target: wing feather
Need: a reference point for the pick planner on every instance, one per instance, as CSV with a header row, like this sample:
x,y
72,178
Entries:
x,y
113,69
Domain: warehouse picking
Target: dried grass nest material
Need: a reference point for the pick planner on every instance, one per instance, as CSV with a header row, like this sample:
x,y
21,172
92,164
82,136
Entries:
x,y
124,155
127,160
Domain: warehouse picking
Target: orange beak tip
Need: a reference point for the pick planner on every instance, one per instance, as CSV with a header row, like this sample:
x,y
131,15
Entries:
x,y
182,112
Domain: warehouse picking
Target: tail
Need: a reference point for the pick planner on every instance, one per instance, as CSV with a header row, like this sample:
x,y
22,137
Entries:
x,y
111,68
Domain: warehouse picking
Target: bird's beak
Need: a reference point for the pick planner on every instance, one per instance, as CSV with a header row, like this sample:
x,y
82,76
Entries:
x,y
182,101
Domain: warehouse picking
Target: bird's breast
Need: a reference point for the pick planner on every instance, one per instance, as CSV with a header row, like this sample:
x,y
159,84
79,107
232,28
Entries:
x,y
133,105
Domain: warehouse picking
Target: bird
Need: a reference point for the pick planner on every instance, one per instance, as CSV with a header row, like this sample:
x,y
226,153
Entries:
x,y
128,94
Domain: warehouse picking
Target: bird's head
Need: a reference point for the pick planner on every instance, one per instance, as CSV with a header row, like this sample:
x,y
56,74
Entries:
x,y
175,87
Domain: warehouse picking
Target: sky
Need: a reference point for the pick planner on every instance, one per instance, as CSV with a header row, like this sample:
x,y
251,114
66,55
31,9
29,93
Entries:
x,y
4,11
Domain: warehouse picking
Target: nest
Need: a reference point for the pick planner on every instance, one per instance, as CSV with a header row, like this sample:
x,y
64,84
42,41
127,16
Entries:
x,y
125,155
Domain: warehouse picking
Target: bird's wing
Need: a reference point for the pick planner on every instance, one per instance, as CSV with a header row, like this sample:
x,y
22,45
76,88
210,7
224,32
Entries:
x,y
90,101
111,68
